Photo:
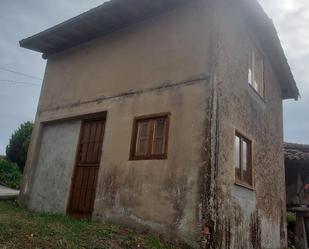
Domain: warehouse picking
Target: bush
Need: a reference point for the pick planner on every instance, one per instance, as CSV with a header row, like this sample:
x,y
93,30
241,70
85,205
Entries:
x,y
291,218
9,174
17,149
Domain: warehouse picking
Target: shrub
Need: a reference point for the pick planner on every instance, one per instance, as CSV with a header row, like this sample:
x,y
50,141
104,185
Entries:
x,y
17,149
9,174
291,218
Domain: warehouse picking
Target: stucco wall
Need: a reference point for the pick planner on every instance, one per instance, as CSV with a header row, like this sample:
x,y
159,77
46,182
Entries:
x,y
169,47
170,64
247,218
161,194
160,65
54,167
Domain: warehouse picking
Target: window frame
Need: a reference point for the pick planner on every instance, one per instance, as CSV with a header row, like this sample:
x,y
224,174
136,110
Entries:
x,y
254,50
149,156
241,181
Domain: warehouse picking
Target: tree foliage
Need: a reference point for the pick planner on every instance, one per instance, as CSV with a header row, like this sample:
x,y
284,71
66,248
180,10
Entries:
x,y
9,174
18,146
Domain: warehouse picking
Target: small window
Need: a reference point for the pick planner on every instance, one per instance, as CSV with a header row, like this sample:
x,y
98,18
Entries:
x,y
256,72
243,160
149,140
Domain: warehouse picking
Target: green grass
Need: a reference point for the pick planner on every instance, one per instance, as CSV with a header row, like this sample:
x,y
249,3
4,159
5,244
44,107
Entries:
x,y
21,229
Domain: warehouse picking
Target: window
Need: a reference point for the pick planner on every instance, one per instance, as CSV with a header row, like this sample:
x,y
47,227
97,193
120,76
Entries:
x,y
150,135
256,72
243,160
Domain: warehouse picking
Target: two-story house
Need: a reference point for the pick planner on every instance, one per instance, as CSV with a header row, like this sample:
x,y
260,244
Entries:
x,y
164,114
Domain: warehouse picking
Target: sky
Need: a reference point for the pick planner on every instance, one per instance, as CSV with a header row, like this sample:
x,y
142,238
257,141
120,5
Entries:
x,y
22,18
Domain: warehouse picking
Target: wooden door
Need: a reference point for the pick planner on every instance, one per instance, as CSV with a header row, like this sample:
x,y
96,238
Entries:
x,y
86,169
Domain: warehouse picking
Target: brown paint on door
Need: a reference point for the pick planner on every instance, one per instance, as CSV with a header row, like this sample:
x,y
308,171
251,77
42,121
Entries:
x,y
87,168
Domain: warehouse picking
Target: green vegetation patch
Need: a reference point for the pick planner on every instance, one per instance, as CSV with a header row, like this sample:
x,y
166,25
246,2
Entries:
x,y
10,174
20,229
17,149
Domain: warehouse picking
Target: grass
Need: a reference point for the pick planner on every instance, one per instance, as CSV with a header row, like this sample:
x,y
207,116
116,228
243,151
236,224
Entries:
x,y
21,229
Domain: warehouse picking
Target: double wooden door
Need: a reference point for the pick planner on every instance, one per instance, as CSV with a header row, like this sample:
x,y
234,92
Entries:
x,y
86,171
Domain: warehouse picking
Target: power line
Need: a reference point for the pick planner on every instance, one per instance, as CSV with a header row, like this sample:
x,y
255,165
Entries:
x,y
19,82
20,73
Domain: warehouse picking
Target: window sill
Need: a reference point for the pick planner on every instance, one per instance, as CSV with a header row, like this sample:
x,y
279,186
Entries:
x,y
148,158
245,185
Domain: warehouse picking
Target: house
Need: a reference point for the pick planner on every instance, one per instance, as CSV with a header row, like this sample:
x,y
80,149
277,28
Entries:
x,y
297,190
167,115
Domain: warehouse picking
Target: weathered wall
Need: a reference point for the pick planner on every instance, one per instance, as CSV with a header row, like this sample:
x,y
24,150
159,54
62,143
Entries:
x,y
170,47
167,64
160,65
161,194
54,167
246,218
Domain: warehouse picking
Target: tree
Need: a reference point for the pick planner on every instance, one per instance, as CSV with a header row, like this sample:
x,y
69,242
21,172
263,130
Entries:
x,y
18,146
10,174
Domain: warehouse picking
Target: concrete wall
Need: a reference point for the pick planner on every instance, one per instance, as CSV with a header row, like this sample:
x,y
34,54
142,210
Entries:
x,y
246,218
169,47
160,65
161,194
54,167
191,62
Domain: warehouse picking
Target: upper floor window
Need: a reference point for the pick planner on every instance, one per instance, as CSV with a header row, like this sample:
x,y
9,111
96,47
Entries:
x,y
149,139
243,160
256,72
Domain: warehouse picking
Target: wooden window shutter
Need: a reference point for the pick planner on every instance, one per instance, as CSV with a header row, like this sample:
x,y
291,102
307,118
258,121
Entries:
x,y
149,139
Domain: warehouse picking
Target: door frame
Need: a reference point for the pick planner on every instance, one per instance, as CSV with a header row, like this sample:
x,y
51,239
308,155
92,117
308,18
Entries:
x,y
84,118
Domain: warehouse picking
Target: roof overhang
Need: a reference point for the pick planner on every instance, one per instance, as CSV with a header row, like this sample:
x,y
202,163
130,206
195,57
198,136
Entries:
x,y
268,36
107,18
118,14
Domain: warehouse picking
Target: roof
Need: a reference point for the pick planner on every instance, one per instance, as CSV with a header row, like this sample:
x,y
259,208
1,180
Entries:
x,y
264,26
118,14
296,152
109,17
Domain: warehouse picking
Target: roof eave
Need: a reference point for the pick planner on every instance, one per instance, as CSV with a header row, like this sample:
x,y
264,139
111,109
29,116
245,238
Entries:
x,y
263,25
107,18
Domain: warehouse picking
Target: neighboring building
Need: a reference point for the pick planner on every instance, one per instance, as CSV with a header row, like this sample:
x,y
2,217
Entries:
x,y
165,114
297,190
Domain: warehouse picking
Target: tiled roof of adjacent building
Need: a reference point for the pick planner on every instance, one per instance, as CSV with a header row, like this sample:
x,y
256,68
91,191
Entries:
x,y
296,152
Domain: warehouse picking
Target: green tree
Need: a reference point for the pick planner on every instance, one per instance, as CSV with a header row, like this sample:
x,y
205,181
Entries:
x,y
18,146
9,174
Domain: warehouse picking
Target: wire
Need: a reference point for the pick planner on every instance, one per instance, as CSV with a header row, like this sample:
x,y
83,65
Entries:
x,y
20,82
20,73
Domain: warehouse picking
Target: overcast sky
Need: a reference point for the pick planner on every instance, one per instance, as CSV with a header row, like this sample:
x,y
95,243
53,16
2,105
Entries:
x,y
23,18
